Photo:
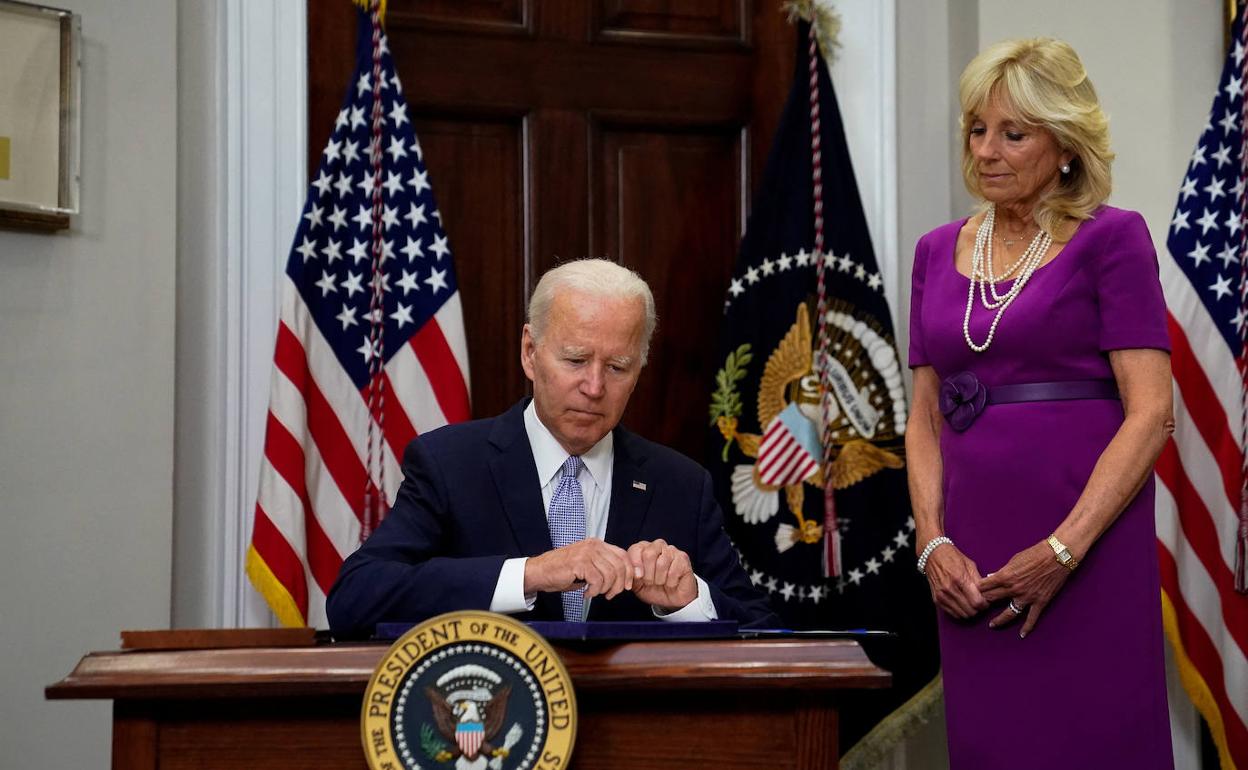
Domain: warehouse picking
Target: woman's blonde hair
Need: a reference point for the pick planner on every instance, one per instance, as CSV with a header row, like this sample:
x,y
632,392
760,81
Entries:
x,y
1043,82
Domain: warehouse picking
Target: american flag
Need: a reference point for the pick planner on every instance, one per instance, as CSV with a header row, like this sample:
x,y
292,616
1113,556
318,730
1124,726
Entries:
x,y
1200,502
370,344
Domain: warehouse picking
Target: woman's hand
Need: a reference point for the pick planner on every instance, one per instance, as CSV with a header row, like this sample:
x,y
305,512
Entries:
x,y
1030,580
954,580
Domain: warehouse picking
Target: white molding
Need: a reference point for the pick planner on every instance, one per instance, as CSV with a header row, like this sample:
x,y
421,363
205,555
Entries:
x,y
865,77
889,255
265,104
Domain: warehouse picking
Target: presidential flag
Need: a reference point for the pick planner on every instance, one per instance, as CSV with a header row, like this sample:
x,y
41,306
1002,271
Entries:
x,y
808,415
370,344
1202,524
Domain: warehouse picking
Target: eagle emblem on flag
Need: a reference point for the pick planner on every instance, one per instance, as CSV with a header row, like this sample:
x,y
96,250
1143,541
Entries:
x,y
864,413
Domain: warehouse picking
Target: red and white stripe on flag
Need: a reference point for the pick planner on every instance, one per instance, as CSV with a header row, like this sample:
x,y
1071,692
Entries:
x,y
370,345
1201,468
310,506
1197,510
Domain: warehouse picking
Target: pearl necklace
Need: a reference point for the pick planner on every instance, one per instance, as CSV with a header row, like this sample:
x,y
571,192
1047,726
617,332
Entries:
x,y
981,273
994,279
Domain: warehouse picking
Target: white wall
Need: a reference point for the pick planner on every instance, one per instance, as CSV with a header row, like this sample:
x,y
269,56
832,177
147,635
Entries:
x,y
86,396
864,78
1155,64
198,600
935,39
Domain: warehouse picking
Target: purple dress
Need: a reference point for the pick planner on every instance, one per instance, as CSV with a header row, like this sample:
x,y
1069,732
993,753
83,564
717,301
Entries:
x,y
1086,688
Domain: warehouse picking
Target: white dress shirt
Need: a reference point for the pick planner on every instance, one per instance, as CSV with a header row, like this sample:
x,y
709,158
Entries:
x,y
595,479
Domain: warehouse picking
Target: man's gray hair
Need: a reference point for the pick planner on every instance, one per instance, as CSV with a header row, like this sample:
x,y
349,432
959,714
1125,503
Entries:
x,y
596,277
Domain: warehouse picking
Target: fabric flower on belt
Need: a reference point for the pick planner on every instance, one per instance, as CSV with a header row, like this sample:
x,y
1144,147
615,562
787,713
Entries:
x,y
962,398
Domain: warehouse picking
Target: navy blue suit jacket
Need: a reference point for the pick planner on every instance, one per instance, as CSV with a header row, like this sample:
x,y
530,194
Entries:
x,y
470,499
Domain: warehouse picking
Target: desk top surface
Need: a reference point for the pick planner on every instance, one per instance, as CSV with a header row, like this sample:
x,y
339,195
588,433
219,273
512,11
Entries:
x,y
345,669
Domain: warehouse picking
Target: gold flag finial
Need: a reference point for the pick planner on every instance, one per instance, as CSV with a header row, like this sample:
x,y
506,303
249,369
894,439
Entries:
x,y
367,7
826,21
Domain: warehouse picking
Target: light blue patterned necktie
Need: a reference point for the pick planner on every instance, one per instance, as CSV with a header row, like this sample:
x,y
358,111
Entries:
x,y
567,526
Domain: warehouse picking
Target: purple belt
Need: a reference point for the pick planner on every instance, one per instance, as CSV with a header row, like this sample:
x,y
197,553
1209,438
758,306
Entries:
x,y
963,396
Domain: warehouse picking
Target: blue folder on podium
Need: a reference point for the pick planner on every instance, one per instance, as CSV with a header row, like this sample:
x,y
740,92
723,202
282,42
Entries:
x,y
604,630
657,630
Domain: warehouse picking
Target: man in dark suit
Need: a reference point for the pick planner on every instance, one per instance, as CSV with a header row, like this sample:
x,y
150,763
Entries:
x,y
551,511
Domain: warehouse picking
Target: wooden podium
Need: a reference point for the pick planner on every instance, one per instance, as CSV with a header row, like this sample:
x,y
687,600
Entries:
x,y
651,705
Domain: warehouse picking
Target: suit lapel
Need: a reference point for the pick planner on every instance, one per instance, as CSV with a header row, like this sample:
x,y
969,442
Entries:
x,y
630,492
515,476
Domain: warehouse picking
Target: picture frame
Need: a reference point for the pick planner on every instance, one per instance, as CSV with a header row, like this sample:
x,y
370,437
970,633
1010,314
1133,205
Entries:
x,y
40,99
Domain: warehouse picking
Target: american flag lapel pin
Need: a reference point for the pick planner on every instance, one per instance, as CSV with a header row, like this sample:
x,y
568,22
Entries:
x,y
639,485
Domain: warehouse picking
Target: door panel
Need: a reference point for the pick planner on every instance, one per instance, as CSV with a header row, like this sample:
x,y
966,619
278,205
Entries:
x,y
483,218
671,211
685,21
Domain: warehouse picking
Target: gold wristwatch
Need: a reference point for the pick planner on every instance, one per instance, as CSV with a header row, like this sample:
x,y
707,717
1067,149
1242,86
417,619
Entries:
x,y
1062,553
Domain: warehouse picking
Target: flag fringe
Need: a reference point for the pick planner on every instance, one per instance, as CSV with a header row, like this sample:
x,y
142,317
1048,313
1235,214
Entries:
x,y
1195,685
367,6
272,591
871,751
821,15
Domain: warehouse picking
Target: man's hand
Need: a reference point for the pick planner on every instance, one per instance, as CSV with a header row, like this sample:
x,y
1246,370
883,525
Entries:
x,y
663,574
600,568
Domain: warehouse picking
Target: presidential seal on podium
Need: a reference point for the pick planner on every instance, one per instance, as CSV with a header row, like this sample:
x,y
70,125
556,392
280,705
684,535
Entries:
x,y
469,691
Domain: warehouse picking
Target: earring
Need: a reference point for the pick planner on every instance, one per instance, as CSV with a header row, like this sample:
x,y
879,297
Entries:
x,y
1065,168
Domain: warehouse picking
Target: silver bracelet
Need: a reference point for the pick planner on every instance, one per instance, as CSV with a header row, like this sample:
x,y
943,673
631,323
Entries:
x,y
927,551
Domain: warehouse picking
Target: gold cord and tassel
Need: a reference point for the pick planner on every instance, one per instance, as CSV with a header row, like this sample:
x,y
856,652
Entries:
x,y
826,21
367,7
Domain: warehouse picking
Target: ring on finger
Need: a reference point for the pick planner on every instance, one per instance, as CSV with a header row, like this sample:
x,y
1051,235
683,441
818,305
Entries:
x,y
1016,609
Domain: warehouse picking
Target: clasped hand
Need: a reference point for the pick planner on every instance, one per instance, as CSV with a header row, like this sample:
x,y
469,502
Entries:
x,y
1031,578
658,573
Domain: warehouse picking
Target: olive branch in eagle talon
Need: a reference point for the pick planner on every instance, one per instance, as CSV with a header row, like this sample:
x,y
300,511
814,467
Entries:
x,y
434,749
726,400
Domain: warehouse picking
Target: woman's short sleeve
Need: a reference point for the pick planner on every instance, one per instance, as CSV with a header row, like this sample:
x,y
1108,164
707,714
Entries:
x,y
918,275
1130,302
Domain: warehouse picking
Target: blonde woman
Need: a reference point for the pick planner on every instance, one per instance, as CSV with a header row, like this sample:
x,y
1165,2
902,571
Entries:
x,y
1042,400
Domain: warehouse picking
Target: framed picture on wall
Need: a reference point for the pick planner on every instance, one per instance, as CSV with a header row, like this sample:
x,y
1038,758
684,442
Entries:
x,y
39,115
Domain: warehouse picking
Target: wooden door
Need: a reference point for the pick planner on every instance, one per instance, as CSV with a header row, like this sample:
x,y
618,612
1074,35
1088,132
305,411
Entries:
x,y
555,129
